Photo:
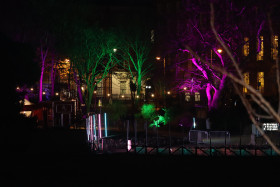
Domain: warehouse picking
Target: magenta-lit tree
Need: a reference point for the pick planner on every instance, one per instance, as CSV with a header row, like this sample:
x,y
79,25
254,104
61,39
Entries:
x,y
227,30
197,43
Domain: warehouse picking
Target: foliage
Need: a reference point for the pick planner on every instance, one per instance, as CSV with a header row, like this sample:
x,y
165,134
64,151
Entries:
x,y
148,111
158,118
93,57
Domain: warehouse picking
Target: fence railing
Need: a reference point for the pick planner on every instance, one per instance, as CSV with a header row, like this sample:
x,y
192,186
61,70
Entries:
x,y
178,147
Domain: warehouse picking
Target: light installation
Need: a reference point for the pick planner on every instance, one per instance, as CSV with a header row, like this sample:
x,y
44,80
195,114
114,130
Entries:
x,y
99,125
94,126
160,120
88,128
128,145
194,124
105,124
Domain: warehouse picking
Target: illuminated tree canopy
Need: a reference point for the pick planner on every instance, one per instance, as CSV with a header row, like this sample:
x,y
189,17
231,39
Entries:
x,y
134,51
197,43
93,58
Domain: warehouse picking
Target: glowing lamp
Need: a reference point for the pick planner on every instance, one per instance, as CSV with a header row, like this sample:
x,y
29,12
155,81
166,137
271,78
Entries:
x,y
17,88
31,89
137,96
153,95
44,93
157,58
122,96
185,88
115,50
168,93
94,92
108,95
99,103
56,93
219,50
128,145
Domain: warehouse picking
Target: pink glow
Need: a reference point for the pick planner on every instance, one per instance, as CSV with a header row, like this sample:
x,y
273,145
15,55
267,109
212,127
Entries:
x,y
99,125
91,129
128,145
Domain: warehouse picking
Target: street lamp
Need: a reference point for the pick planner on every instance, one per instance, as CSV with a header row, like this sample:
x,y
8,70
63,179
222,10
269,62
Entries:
x,y
218,50
158,59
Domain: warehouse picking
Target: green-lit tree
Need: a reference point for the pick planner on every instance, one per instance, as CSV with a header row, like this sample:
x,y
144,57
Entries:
x,y
93,58
135,51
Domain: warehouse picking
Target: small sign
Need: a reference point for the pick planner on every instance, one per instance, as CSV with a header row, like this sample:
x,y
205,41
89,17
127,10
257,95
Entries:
x,y
270,126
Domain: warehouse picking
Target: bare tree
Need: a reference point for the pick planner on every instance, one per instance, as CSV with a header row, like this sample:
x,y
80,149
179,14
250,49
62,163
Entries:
x,y
236,77
93,59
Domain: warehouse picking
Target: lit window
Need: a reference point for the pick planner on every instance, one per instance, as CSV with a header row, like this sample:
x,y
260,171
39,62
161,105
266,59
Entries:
x,y
122,87
99,88
188,97
246,46
197,96
274,47
247,81
261,81
260,54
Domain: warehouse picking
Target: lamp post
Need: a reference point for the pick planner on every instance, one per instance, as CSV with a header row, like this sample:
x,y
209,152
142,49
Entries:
x,y
164,104
211,55
158,59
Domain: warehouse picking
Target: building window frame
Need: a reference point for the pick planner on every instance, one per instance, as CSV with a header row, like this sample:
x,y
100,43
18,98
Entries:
x,y
274,46
260,83
261,52
246,77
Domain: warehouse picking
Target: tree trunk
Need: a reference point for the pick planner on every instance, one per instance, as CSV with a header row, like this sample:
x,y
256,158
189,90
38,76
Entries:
x,y
43,59
80,95
52,78
139,84
41,84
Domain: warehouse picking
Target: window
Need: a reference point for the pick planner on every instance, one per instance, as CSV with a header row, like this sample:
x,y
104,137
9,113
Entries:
x,y
122,87
188,97
260,48
274,47
247,81
197,96
260,82
99,88
246,46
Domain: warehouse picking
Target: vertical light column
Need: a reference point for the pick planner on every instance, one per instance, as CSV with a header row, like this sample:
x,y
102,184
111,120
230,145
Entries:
x,y
105,124
90,125
87,127
99,125
194,124
94,126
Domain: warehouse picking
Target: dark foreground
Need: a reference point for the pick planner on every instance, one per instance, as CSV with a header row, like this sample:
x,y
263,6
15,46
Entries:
x,y
50,161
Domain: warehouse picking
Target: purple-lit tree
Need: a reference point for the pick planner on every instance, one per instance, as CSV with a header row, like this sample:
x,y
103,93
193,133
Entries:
x,y
44,48
195,33
227,30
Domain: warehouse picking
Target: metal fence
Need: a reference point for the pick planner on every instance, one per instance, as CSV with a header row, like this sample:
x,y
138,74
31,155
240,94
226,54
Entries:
x,y
197,143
